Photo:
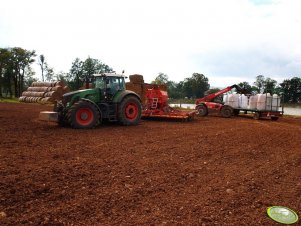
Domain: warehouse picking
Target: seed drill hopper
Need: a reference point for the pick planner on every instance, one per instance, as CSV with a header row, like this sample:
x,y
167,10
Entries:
x,y
156,106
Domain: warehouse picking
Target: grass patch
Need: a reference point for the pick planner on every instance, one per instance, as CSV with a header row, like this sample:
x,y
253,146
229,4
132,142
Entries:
x,y
9,100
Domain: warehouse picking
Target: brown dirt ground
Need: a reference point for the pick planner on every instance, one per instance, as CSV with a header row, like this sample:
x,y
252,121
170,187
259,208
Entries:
x,y
211,171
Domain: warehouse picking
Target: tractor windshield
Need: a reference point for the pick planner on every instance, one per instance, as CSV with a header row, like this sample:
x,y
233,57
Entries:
x,y
100,82
116,83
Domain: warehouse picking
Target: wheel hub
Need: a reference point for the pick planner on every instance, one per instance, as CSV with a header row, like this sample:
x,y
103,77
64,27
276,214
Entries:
x,y
84,116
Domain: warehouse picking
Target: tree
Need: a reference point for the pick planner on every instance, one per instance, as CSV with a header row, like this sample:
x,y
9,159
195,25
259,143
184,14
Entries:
x,y
29,78
4,58
161,79
75,75
195,86
49,73
41,62
259,83
246,86
291,89
93,66
14,66
84,70
269,85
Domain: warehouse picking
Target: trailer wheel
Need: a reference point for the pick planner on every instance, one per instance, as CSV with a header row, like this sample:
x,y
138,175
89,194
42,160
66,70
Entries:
x,y
129,111
226,111
236,112
83,115
257,115
274,118
202,110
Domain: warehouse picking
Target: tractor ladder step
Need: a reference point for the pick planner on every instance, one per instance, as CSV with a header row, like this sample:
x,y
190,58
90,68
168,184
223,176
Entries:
x,y
112,118
154,103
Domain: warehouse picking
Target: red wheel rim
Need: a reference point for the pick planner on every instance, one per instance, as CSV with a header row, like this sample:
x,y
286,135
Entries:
x,y
131,111
84,116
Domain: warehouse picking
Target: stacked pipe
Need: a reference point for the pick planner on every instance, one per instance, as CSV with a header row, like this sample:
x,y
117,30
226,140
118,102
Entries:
x,y
44,92
137,85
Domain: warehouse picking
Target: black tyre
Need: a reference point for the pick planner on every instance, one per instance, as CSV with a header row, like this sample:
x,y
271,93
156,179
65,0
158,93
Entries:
x,y
202,110
226,111
257,115
274,118
236,112
129,111
59,108
83,115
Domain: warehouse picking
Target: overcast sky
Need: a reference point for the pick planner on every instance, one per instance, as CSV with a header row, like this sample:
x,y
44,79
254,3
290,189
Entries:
x,y
229,41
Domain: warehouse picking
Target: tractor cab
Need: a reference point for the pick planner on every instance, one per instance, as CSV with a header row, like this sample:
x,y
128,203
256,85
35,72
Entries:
x,y
109,84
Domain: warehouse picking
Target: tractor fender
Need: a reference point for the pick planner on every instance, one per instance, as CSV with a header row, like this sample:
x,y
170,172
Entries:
x,y
97,107
118,98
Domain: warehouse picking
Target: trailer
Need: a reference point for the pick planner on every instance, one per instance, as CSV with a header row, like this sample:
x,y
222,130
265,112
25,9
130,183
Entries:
x,y
260,105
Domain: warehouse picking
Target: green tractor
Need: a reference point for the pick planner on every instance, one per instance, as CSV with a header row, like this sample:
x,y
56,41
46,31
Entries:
x,y
108,99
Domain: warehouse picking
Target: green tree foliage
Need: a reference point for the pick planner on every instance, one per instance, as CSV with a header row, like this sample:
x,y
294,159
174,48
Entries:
x,y
259,83
41,62
291,89
195,86
265,85
247,87
15,63
82,71
269,85
161,79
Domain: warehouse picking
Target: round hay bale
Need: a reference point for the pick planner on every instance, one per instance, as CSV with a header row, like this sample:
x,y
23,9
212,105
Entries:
x,y
54,94
48,100
37,89
39,99
34,84
36,94
136,78
26,93
58,89
22,98
66,89
59,83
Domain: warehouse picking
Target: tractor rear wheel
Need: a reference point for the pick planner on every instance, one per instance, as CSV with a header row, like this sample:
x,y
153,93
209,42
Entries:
x,y
202,110
83,115
129,111
226,111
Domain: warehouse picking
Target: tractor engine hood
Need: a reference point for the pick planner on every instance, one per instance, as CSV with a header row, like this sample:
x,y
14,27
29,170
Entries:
x,y
68,96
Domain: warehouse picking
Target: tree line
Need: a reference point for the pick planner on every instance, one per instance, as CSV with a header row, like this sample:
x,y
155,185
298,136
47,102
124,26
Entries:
x,y
16,74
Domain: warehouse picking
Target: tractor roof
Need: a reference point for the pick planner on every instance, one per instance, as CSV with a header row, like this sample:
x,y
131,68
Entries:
x,y
109,75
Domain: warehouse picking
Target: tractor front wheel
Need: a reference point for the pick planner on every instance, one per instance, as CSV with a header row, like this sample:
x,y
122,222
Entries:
x,y
83,115
202,110
226,111
129,111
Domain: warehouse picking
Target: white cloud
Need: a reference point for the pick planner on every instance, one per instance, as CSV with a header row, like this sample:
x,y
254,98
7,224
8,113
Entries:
x,y
228,41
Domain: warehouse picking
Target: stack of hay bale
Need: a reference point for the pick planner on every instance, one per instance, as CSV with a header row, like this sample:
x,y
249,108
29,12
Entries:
x,y
137,85
44,92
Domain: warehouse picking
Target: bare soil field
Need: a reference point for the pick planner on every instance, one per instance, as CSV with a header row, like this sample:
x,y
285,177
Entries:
x,y
210,171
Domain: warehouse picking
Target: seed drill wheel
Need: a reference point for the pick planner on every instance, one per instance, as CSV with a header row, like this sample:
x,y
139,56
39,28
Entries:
x,y
83,115
274,118
257,115
202,110
226,111
129,111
